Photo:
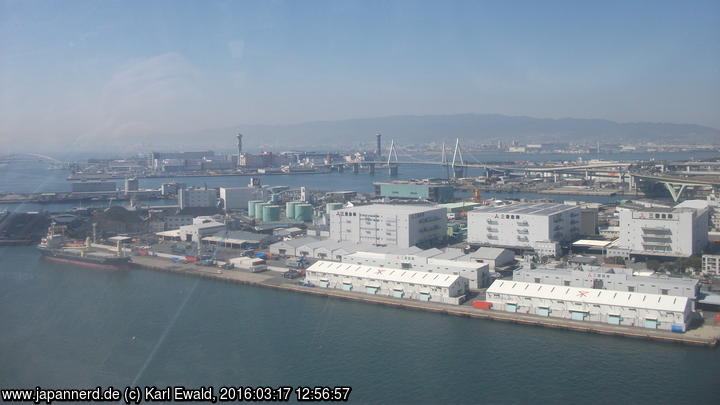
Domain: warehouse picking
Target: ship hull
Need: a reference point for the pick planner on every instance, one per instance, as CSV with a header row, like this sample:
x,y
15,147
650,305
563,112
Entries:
x,y
105,264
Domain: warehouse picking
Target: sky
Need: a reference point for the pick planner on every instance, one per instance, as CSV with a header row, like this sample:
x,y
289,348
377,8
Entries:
x,y
87,71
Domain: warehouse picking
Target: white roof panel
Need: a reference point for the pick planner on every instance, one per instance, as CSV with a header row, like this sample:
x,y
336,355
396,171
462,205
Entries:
x,y
390,208
589,295
592,243
384,274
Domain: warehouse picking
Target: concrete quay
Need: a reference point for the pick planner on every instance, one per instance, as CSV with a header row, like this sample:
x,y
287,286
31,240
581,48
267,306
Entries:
x,y
706,335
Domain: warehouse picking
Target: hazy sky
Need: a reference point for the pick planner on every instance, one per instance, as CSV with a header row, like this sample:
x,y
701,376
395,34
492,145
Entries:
x,y
82,70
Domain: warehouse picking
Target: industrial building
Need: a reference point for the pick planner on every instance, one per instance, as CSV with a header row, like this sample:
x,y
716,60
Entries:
x,y
477,274
475,266
588,217
236,198
666,312
680,231
167,189
398,225
200,228
538,226
327,249
197,197
166,220
93,186
179,161
494,257
407,284
412,190
711,265
459,209
237,239
610,278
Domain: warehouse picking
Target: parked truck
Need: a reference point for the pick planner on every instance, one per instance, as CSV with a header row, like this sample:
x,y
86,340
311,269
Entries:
x,y
296,262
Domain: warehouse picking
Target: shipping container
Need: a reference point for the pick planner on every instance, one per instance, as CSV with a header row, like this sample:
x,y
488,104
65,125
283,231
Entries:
x,y
482,304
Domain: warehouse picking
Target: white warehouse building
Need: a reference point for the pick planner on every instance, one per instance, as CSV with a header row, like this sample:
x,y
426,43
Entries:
x,y
398,283
538,226
200,228
616,279
582,304
391,225
477,274
658,231
236,198
197,197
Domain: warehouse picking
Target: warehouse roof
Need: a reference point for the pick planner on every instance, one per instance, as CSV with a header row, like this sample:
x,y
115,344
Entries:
x,y
390,209
488,253
694,204
297,242
590,296
450,254
432,252
314,242
527,209
592,243
384,274
461,204
588,270
236,237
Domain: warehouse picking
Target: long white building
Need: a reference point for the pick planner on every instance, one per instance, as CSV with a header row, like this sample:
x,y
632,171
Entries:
x,y
651,311
477,274
407,284
680,231
538,226
391,225
616,279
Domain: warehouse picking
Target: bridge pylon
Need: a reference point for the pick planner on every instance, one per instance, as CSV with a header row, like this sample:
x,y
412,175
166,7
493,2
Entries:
x,y
458,164
392,164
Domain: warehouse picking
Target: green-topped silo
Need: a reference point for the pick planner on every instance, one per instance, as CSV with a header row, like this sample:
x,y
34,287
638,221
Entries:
x,y
271,213
259,210
251,207
290,209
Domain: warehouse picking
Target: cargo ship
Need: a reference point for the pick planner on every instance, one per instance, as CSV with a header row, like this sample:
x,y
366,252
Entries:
x,y
55,246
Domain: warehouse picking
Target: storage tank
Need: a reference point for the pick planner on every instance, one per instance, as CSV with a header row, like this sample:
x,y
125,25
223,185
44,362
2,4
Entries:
x,y
251,207
259,210
329,207
303,212
290,209
271,213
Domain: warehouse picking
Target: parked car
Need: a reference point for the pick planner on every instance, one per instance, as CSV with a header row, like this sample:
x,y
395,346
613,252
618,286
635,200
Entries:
x,y
291,274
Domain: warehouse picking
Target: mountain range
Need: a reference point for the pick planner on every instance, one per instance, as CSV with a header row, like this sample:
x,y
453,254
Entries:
x,y
470,128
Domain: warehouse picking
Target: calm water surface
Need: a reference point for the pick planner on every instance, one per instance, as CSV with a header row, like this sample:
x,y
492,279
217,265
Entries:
x,y
70,327
62,326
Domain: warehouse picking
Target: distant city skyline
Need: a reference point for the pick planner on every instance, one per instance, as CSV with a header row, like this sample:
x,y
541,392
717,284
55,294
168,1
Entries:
x,y
87,71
